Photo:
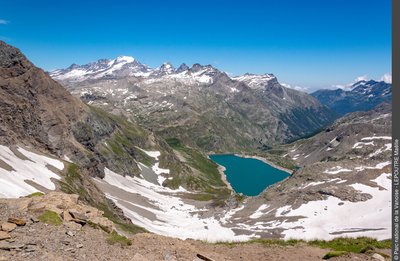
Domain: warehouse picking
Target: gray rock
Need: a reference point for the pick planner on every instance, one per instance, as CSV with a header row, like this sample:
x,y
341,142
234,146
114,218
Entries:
x,y
378,257
70,233
10,246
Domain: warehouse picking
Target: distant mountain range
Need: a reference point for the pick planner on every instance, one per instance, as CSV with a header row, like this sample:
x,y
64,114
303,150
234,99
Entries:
x,y
363,96
199,105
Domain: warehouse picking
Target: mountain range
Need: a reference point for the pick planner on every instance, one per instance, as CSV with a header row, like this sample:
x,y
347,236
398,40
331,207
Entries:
x,y
200,106
137,148
362,96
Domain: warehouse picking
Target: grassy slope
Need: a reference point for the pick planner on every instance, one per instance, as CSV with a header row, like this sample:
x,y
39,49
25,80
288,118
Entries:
x,y
209,179
338,246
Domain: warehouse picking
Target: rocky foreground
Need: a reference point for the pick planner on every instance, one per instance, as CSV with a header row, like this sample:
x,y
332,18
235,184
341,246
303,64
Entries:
x,y
57,226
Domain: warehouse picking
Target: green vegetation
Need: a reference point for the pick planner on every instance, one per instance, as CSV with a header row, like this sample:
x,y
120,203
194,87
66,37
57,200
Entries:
x,y
276,157
118,140
209,181
115,238
51,218
280,242
175,143
334,254
121,224
72,183
201,197
240,197
340,246
355,245
198,161
265,242
96,226
144,158
35,194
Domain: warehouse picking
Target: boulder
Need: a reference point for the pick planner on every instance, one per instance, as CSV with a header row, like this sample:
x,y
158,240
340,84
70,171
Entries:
x,y
378,257
66,216
4,235
8,227
104,223
10,246
17,221
72,225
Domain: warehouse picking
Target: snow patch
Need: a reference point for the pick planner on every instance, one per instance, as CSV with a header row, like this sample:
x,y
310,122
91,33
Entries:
x,y
173,217
320,219
259,212
377,138
336,170
12,183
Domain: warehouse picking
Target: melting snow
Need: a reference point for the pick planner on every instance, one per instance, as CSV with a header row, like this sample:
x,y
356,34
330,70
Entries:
x,y
173,217
387,147
295,157
259,212
378,166
359,145
336,170
377,138
155,154
320,219
12,183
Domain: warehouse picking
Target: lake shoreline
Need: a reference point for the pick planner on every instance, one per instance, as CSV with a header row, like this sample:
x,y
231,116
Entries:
x,y
224,179
272,164
222,169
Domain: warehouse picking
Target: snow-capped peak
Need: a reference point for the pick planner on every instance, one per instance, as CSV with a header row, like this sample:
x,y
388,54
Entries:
x,y
255,81
359,83
125,59
127,66
119,67
183,67
167,67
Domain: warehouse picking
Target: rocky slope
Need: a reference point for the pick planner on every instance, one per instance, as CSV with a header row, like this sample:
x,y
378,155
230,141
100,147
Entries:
x,y
44,129
42,228
342,188
201,106
363,96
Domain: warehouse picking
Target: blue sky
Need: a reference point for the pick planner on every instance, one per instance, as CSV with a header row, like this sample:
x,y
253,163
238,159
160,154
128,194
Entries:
x,y
308,43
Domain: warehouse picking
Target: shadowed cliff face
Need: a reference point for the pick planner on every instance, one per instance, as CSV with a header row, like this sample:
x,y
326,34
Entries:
x,y
34,109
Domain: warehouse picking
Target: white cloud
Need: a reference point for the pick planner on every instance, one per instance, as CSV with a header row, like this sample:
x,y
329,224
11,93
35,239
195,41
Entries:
x,y
361,78
2,21
296,87
349,86
345,87
387,77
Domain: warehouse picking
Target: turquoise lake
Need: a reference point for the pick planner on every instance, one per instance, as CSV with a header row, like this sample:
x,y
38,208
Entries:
x,y
248,176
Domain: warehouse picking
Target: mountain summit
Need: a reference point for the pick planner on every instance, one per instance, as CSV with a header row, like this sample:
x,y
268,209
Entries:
x,y
245,112
363,96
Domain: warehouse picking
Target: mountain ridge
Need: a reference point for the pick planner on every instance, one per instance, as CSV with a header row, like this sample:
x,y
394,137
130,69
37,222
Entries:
x,y
190,98
363,95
